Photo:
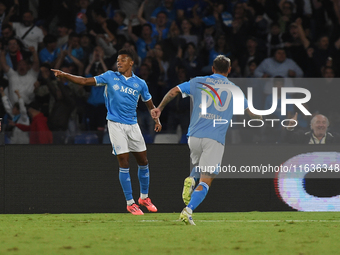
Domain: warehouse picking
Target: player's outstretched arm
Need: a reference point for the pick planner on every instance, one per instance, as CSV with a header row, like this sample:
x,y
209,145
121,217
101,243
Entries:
x,y
156,113
75,79
252,115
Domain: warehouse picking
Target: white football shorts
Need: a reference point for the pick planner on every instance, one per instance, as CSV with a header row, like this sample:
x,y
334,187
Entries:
x,y
125,138
206,153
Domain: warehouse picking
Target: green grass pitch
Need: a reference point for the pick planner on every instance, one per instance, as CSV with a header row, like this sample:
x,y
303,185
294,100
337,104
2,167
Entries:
x,y
215,233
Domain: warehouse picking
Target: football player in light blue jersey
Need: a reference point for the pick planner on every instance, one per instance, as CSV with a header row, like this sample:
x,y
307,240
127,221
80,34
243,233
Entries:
x,y
213,97
122,92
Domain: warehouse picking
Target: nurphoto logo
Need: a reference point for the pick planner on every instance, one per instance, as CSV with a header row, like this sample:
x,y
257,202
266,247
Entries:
x,y
212,93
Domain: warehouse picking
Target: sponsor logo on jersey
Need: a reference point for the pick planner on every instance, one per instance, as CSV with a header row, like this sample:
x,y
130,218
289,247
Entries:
x,y
211,95
116,87
129,91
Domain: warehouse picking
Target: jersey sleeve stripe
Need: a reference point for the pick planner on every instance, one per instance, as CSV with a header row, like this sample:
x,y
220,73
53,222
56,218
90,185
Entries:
x,y
99,84
183,94
146,100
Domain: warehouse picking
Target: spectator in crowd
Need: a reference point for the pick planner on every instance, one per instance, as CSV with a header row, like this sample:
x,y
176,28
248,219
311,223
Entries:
x,y
241,27
173,42
251,53
71,49
87,46
192,10
82,16
317,135
7,34
286,16
160,27
109,6
23,79
320,54
26,30
186,32
63,34
167,7
104,31
158,55
153,64
63,106
187,58
274,39
190,60
119,17
145,42
297,45
221,48
218,18
18,114
49,53
252,65
39,131
41,91
77,93
279,65
14,53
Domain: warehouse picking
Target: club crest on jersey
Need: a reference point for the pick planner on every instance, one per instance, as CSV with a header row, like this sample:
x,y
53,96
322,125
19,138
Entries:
x,y
116,87
135,85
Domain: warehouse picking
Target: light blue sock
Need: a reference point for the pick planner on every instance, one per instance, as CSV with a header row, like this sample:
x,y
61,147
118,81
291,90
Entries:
x,y
198,196
125,181
144,179
195,173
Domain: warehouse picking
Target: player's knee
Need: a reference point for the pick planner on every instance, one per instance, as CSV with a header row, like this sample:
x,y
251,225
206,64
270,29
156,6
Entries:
x,y
143,162
123,162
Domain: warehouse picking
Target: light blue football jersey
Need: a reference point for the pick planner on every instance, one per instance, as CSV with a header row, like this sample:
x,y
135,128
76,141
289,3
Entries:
x,y
121,95
217,107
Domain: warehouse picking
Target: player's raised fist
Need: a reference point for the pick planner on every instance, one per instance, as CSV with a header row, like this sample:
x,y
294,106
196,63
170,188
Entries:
x,y
155,113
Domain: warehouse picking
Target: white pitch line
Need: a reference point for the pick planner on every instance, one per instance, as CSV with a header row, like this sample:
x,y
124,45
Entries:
x,y
247,221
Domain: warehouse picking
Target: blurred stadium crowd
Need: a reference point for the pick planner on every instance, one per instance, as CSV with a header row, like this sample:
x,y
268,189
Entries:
x,y
174,40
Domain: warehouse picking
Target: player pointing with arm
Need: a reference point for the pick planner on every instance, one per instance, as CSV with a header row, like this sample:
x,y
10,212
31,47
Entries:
x,y
206,140
122,91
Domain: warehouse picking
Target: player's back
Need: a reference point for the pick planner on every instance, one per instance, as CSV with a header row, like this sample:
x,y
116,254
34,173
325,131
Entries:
x,y
212,101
